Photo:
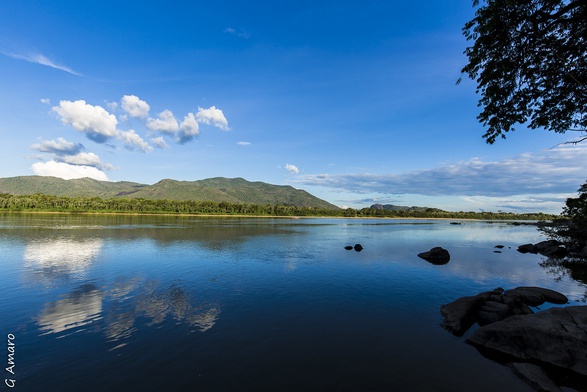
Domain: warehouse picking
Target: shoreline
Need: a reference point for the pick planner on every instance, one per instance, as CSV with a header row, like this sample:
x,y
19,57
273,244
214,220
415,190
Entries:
x,y
167,214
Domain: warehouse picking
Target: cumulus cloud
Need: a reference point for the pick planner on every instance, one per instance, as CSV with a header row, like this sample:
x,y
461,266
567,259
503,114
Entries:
x,y
83,158
188,129
212,116
102,126
62,150
165,122
59,147
291,168
134,106
67,171
46,101
133,141
558,170
94,121
38,58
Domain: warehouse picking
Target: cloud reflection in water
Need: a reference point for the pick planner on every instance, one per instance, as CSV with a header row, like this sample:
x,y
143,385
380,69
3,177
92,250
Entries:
x,y
51,259
80,307
121,309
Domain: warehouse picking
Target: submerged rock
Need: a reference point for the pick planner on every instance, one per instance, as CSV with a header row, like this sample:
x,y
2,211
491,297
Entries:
x,y
436,256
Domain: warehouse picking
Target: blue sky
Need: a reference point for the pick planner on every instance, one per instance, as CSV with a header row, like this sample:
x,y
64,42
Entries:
x,y
353,101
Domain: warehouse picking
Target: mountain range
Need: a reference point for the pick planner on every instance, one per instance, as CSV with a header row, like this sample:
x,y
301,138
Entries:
x,y
392,207
218,189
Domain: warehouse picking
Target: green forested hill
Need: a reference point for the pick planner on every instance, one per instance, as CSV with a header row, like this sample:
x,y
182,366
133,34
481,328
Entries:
x,y
219,189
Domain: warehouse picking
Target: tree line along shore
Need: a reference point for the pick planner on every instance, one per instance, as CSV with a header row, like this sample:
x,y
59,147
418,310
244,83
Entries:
x,y
48,203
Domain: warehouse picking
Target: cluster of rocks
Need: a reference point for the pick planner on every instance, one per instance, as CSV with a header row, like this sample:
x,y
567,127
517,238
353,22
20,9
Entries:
x,y
496,305
535,344
549,248
357,247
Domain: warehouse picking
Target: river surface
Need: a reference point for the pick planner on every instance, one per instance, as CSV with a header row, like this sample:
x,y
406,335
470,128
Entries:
x,y
153,303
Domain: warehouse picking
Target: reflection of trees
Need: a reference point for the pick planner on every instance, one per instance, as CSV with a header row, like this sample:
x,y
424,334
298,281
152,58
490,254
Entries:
x,y
49,259
120,307
213,233
574,269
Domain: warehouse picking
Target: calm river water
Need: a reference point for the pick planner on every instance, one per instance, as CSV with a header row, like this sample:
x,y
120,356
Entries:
x,y
142,303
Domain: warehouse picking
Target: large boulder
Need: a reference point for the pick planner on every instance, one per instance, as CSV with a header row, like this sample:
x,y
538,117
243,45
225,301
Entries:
x,y
436,256
555,337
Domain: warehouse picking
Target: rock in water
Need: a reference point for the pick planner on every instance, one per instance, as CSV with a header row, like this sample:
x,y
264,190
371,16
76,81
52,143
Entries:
x,y
461,314
358,247
535,296
436,256
556,336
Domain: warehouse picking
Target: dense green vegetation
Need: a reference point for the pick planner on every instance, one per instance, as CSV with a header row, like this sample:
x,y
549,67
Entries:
x,y
219,189
47,203
528,59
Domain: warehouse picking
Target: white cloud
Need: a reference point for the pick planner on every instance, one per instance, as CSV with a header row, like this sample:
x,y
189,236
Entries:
x,y
165,123
133,140
188,129
83,158
95,121
46,101
135,107
58,147
243,143
558,170
212,116
291,168
159,142
67,171
38,58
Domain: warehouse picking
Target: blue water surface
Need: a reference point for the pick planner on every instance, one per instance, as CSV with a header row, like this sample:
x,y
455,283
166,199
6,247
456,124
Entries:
x,y
154,303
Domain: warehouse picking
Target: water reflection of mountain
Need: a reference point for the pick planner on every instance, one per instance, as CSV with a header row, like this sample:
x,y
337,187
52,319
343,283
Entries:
x,y
125,307
165,230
